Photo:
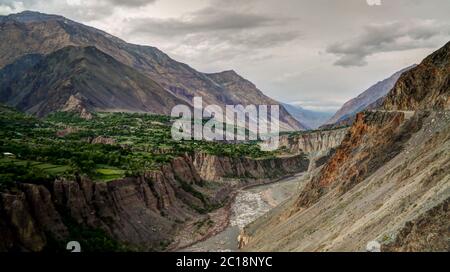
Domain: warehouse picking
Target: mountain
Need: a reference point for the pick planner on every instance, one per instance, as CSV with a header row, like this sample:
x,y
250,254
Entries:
x,y
36,33
427,86
310,119
80,78
388,181
347,113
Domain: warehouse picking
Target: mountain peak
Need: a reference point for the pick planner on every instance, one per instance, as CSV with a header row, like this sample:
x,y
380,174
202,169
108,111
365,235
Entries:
x,y
29,16
227,76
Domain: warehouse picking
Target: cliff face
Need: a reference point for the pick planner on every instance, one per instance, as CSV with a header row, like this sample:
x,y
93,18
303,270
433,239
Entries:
x,y
135,211
318,146
211,167
317,143
142,213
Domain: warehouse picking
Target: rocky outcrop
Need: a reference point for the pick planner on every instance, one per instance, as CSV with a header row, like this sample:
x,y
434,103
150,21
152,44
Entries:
x,y
427,86
141,213
76,105
429,232
103,140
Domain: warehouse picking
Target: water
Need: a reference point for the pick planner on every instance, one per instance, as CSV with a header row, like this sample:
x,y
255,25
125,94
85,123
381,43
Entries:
x,y
248,206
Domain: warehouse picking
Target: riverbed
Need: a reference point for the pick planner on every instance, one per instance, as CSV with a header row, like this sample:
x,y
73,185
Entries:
x,y
249,205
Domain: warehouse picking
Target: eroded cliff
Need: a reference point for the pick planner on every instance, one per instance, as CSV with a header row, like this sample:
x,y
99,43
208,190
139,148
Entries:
x,y
135,213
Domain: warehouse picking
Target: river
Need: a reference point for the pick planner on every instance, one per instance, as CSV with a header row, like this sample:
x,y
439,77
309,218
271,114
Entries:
x,y
249,205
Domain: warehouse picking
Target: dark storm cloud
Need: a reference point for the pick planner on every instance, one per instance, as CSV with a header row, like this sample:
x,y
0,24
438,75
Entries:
x,y
388,37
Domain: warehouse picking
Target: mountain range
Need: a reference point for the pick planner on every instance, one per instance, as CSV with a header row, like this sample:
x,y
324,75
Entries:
x,y
311,119
42,34
119,182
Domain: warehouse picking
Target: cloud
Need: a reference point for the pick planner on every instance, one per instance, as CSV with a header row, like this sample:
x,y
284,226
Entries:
x,y
320,105
216,32
209,19
76,9
131,3
388,37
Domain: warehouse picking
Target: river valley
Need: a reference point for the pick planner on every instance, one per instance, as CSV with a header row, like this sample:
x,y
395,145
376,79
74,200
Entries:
x,y
249,205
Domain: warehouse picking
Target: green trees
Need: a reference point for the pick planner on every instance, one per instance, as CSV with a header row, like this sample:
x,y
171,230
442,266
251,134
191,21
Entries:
x,y
141,142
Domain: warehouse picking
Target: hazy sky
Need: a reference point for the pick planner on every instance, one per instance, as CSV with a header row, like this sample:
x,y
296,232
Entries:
x,y
319,53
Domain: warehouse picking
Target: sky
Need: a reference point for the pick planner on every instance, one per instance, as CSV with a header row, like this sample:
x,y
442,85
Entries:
x,y
314,53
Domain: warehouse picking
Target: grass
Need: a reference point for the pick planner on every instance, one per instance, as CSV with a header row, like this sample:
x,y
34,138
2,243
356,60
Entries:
x,y
143,143
107,173
44,167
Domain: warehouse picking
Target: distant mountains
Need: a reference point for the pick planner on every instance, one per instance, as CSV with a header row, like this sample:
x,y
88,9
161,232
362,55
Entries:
x,y
311,119
42,34
346,114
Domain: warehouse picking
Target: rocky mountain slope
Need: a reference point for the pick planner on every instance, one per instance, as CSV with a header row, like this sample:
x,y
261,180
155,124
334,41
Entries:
x,y
81,75
310,119
346,114
36,33
427,86
388,181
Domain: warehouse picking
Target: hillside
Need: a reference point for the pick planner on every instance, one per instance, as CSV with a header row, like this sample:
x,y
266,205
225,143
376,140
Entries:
x,y
347,113
427,86
81,75
36,33
388,181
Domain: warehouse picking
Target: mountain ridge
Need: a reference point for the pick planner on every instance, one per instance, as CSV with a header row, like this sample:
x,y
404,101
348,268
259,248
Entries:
x,y
39,33
103,83
311,119
346,114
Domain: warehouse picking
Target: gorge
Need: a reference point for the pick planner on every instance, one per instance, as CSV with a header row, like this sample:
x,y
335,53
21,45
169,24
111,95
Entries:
x,y
87,155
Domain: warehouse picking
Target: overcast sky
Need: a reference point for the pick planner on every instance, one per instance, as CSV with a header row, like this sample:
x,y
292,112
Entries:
x,y
319,53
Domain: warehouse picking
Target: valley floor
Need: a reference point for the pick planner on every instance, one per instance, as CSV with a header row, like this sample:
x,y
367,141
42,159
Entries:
x,y
248,205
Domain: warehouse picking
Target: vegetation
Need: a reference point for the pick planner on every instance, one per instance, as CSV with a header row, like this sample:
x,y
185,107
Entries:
x,y
64,145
